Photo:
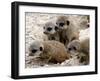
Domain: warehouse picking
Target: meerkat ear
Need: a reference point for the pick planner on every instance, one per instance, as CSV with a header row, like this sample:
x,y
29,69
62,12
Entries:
x,y
67,22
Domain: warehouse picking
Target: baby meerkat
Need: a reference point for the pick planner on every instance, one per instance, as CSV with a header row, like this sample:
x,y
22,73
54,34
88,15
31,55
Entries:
x,y
50,51
81,49
67,29
51,30
84,22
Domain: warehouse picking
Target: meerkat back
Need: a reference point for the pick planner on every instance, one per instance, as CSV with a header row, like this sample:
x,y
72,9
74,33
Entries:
x,y
56,50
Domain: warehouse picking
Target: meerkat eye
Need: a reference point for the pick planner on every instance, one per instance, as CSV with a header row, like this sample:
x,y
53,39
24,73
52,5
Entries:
x,y
67,22
56,28
49,29
87,25
41,49
74,48
61,24
69,49
34,51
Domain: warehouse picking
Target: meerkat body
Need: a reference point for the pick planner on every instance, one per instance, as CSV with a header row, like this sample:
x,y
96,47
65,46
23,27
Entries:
x,y
67,29
81,48
52,51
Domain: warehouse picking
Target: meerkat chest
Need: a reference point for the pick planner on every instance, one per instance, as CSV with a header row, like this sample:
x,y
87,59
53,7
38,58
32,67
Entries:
x,y
54,37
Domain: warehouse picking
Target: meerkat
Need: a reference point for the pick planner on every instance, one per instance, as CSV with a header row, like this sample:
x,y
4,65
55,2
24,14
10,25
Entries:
x,y
51,30
80,49
67,29
50,51
84,22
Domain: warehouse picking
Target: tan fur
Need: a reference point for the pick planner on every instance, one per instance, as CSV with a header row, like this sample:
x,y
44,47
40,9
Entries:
x,y
54,51
81,49
85,45
84,22
69,30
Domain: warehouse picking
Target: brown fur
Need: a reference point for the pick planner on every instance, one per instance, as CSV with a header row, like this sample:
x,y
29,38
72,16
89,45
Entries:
x,y
54,52
81,49
69,31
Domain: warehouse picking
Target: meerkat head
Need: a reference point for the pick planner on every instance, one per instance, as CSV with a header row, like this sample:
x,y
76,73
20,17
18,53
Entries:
x,y
84,23
50,28
36,48
73,47
63,22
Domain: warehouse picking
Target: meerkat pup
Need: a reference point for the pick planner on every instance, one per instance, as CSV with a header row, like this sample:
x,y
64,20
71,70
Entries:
x,y
51,30
50,51
67,29
84,22
81,49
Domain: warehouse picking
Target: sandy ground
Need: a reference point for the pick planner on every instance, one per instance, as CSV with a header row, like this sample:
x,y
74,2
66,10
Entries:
x,y
34,31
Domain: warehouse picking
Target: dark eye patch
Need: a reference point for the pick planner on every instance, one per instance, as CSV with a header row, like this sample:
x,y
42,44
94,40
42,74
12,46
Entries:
x,y
34,50
61,24
56,28
88,25
69,49
49,28
41,48
68,22
74,48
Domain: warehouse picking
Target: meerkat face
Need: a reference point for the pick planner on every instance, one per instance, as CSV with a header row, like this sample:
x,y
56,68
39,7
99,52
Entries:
x,y
63,22
84,24
73,47
50,28
36,48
